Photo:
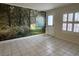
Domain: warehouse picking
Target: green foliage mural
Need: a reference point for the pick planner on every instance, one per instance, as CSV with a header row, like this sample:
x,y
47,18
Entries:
x,y
16,21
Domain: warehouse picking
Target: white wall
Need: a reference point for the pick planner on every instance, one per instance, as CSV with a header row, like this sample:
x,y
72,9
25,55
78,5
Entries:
x,y
57,29
49,30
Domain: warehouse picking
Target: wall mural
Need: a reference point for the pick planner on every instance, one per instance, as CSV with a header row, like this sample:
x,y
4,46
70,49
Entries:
x,y
18,22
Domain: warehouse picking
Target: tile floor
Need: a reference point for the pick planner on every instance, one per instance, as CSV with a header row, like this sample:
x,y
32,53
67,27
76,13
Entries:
x,y
38,45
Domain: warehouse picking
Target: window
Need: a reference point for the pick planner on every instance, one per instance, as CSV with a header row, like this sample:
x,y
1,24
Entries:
x,y
77,16
67,22
69,27
64,26
70,17
64,17
71,22
50,20
76,22
76,27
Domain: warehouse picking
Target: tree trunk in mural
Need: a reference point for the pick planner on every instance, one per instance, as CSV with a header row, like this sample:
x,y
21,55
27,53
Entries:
x,y
8,14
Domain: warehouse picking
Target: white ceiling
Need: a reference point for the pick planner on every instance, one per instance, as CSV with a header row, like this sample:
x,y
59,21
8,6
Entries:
x,y
39,6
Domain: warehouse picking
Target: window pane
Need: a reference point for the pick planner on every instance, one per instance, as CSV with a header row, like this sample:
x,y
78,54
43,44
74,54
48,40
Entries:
x,y
64,17
77,16
76,27
64,26
70,17
50,20
69,27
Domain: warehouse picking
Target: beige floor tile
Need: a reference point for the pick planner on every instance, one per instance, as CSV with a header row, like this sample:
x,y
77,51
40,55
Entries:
x,y
38,45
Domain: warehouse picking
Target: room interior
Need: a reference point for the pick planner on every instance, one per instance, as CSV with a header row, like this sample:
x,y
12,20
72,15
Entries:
x,y
39,29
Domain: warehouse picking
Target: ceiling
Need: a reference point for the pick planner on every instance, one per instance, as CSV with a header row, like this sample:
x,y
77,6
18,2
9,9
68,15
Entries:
x,y
39,6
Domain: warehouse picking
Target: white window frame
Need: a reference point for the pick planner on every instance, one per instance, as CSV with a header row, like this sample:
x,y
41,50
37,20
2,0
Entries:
x,y
68,22
73,22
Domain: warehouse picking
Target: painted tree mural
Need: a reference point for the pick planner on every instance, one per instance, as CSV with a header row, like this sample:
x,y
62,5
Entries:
x,y
16,21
